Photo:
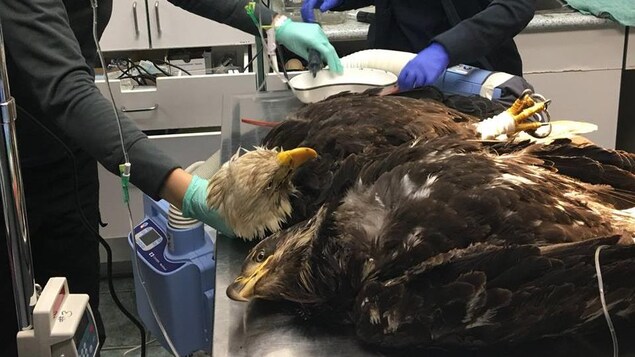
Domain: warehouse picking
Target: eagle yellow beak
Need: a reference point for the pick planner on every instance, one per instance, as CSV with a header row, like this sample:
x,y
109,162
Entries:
x,y
243,288
296,157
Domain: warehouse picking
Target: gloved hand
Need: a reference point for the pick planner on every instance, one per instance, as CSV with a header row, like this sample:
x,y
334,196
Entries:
x,y
324,5
195,206
298,37
425,68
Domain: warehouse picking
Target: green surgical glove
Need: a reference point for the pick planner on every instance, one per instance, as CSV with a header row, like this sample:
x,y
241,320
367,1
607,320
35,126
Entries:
x,y
195,206
299,37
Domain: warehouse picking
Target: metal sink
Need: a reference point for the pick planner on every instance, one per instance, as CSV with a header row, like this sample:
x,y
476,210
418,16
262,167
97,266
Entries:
x,y
551,6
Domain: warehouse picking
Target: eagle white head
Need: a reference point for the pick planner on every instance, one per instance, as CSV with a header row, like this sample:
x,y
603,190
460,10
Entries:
x,y
252,192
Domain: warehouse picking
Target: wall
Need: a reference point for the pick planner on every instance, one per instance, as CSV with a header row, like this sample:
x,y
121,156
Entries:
x,y
581,72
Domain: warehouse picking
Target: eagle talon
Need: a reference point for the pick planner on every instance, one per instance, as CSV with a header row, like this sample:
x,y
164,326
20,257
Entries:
x,y
529,112
523,101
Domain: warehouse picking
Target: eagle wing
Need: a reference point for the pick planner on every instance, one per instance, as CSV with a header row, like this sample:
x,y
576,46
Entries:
x,y
429,200
489,295
585,162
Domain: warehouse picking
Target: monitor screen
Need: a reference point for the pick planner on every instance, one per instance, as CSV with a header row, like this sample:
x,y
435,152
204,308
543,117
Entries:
x,y
150,237
81,329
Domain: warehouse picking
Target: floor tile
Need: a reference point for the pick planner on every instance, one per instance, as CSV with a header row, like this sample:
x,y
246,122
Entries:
x,y
121,333
153,350
119,330
120,284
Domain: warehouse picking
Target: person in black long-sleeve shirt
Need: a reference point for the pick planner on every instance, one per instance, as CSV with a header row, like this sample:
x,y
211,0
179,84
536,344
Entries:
x,y
50,59
443,32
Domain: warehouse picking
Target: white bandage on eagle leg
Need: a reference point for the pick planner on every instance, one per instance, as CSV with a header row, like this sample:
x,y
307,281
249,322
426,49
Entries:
x,y
502,123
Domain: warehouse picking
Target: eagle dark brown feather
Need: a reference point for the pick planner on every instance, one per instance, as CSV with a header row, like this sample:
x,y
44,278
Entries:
x,y
588,163
439,243
492,295
351,130
422,238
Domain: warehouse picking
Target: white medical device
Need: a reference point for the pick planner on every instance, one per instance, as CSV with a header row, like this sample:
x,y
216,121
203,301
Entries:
x,y
63,325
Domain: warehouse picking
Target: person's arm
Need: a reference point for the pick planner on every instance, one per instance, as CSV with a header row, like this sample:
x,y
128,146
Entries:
x,y
353,4
297,37
49,71
175,186
308,6
477,36
229,12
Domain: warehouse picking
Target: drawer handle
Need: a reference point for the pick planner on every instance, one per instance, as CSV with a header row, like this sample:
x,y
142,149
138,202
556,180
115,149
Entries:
x,y
136,21
148,109
156,13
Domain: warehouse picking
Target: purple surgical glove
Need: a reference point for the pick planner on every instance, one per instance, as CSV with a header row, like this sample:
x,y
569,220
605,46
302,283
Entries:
x,y
324,5
425,68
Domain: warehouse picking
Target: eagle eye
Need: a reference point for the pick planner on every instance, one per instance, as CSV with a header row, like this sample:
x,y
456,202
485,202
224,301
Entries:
x,y
269,185
260,256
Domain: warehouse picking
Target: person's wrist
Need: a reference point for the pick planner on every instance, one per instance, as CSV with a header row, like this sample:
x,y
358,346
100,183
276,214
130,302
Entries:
x,y
175,186
441,52
278,20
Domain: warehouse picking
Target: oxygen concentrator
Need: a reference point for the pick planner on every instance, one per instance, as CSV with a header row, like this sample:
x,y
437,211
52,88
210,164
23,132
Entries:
x,y
174,282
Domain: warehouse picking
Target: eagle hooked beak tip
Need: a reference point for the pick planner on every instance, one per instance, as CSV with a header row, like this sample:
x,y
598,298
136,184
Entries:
x,y
234,292
244,287
296,157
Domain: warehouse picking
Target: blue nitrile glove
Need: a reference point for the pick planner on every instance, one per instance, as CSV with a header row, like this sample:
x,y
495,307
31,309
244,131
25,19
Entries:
x,y
298,37
195,206
323,5
425,68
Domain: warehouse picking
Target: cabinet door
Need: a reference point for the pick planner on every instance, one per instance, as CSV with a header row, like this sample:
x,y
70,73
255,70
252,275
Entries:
x,y
173,27
597,102
128,27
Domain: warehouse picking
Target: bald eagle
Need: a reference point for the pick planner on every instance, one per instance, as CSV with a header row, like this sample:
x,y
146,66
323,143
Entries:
x,y
252,192
442,243
256,193
349,131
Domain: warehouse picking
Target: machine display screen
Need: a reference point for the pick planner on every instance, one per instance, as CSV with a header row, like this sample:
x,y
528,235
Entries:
x,y
86,340
150,237
81,329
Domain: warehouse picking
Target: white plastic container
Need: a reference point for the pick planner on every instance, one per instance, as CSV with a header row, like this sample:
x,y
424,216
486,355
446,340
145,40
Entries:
x,y
326,83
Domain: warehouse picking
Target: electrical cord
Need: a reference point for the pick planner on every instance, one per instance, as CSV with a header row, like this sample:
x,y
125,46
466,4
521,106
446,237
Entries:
x,y
139,68
138,347
103,66
130,66
85,221
125,178
125,73
252,60
605,310
172,65
284,68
